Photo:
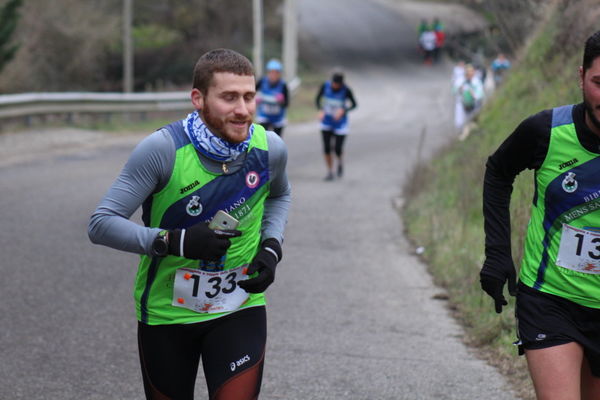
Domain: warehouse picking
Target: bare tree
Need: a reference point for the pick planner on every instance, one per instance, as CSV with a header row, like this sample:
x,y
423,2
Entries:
x,y
76,44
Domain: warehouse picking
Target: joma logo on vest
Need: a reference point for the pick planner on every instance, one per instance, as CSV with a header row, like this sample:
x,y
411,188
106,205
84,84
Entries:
x,y
568,164
189,187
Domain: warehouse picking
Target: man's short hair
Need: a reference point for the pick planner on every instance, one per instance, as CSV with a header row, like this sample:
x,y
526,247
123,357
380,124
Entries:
x,y
337,77
219,60
591,50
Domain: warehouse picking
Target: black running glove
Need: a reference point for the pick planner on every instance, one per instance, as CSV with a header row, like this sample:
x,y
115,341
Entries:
x,y
199,242
264,263
493,279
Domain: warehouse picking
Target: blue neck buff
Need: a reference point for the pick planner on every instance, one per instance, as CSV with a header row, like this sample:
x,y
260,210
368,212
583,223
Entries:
x,y
211,145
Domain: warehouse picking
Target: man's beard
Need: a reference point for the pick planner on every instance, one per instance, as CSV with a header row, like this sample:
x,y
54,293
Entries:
x,y
217,125
589,109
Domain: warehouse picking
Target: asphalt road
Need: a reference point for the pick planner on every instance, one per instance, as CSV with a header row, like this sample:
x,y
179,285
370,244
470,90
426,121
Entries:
x,y
352,313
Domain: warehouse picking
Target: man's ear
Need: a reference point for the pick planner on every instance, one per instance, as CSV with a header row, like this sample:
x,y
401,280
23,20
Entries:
x,y
197,99
581,76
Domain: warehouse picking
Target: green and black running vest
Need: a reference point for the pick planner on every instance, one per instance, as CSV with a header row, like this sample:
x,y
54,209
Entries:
x,y
192,195
562,246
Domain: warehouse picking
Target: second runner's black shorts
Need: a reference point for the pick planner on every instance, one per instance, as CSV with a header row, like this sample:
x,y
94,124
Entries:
x,y
545,320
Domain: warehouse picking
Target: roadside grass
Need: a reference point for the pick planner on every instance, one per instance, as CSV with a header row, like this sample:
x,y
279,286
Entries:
x,y
444,214
302,104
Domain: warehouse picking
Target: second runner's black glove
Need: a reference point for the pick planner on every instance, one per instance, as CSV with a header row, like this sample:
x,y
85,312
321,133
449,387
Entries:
x,y
199,242
264,262
493,278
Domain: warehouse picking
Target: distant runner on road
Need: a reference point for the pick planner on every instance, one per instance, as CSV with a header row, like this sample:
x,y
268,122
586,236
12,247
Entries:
x,y
199,288
272,98
558,294
334,100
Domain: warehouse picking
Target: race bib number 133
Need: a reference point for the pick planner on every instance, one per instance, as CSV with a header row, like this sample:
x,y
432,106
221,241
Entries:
x,y
209,292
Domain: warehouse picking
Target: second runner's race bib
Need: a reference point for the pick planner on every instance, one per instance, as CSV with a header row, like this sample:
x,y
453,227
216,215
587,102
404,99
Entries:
x,y
579,250
209,292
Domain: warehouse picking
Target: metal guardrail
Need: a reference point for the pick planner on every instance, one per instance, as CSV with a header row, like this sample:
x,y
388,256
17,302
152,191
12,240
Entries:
x,y
29,104
34,104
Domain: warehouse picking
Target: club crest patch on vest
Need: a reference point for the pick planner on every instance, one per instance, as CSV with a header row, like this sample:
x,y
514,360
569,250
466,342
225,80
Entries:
x,y
569,184
194,208
252,179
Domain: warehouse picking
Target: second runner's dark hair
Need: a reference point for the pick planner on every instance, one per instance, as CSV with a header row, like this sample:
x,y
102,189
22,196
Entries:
x,y
591,50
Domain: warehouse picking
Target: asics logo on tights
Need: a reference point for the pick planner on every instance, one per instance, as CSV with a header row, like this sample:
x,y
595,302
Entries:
x,y
239,363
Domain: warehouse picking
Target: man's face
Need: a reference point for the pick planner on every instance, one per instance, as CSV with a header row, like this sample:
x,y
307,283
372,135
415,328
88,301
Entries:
x,y
273,75
469,73
590,86
228,107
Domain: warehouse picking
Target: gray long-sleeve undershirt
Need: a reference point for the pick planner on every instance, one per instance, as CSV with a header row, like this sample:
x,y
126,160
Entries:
x,y
148,170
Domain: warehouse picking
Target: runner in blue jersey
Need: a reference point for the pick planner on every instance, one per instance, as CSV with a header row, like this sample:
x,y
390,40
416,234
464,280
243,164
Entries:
x,y
334,100
272,98
558,291
199,291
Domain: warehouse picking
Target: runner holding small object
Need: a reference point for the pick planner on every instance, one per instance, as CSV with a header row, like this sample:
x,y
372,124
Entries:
x,y
199,291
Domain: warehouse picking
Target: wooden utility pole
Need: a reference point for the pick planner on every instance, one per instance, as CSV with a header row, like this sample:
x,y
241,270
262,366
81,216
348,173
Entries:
x,y
257,56
290,43
127,46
